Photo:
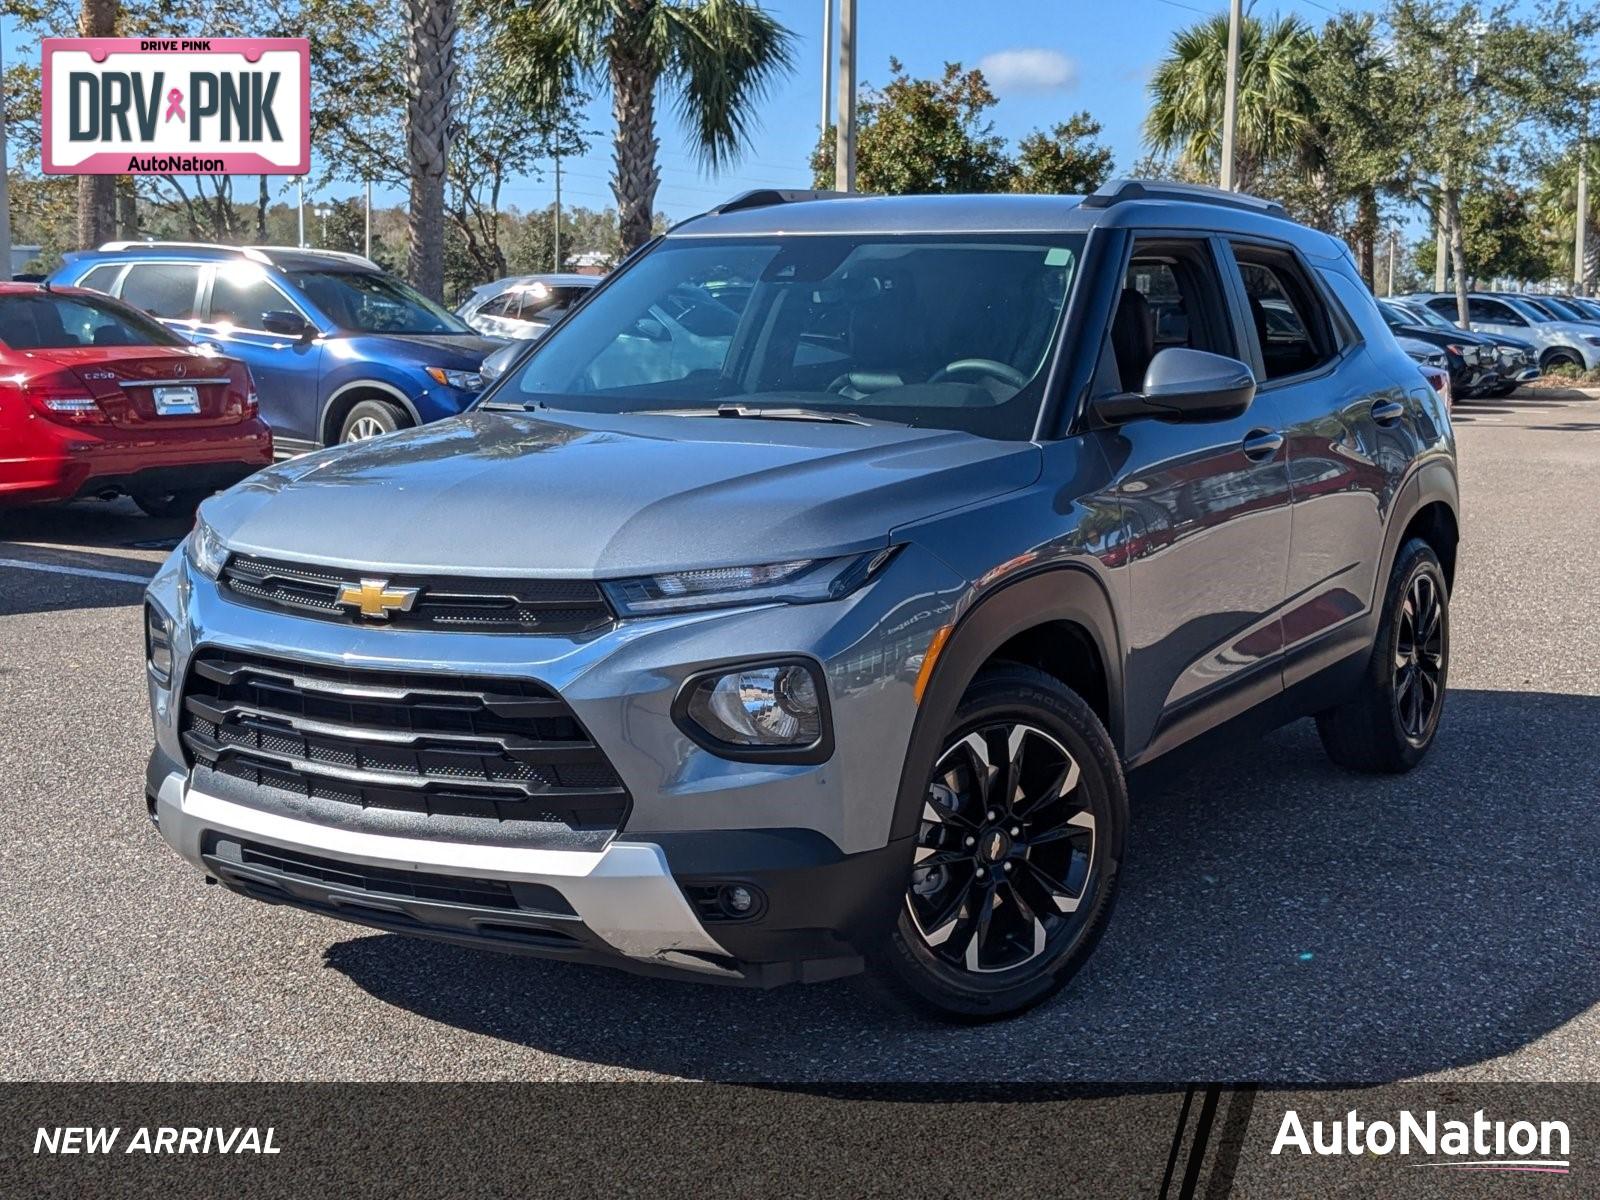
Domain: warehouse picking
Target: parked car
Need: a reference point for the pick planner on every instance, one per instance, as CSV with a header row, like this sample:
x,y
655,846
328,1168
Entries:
x,y
1559,343
823,642
97,399
1518,359
1588,306
1556,308
523,306
1472,359
340,351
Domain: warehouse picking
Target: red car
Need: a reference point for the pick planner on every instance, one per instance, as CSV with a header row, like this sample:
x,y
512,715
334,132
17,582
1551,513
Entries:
x,y
98,399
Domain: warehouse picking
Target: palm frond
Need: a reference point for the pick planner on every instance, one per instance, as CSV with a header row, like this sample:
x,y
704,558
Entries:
x,y
721,58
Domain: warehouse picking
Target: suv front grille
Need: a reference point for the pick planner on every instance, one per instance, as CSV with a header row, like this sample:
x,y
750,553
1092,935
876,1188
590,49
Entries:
x,y
498,749
475,603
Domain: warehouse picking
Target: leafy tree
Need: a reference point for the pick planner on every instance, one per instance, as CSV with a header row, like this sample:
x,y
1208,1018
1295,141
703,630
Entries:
x,y
1501,233
715,58
1275,100
1478,84
1067,161
919,136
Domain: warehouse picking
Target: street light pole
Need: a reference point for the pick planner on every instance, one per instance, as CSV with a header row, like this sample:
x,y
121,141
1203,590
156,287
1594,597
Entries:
x,y
1230,93
1394,239
827,64
368,232
844,142
1580,243
300,183
5,191
557,266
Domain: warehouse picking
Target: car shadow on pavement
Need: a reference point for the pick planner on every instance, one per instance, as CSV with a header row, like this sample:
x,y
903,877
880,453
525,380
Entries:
x,y
1280,921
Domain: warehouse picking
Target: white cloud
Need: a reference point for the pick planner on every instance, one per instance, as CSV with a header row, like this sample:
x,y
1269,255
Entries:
x,y
1029,70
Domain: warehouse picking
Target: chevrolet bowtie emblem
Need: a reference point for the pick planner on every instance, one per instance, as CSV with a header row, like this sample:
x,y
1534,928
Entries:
x,y
375,598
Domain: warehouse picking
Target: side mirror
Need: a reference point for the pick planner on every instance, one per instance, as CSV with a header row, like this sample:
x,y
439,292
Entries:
x,y
290,324
501,361
1185,385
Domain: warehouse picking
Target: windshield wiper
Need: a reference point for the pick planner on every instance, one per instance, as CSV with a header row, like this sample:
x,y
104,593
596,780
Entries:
x,y
755,413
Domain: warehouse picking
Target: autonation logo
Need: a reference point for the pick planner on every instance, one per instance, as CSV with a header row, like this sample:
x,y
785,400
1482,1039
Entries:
x,y
1476,1145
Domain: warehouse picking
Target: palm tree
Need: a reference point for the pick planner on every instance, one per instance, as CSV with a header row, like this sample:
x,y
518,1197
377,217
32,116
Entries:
x,y
431,71
717,57
1274,96
97,194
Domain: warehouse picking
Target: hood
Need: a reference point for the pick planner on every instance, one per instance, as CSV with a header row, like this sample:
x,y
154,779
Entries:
x,y
457,351
604,496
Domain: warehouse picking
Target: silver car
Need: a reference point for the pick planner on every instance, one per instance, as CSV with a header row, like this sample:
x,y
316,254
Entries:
x,y
524,306
1558,342
795,608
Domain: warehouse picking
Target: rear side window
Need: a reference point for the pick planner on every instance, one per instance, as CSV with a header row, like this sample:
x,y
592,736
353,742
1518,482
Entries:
x,y
1291,321
61,322
1490,312
101,278
242,296
162,289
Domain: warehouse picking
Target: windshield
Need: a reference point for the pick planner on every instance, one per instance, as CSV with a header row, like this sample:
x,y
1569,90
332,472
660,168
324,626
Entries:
x,y
1560,309
1396,317
1429,317
947,332
370,302
52,321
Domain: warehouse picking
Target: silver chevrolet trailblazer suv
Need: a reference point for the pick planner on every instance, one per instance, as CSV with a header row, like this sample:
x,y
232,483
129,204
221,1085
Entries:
x,y
796,605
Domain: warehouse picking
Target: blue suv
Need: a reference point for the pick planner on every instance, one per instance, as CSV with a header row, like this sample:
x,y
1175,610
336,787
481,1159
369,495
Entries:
x,y
340,351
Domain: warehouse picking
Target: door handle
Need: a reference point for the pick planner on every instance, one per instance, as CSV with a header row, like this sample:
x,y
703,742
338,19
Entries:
x,y
1387,412
1262,444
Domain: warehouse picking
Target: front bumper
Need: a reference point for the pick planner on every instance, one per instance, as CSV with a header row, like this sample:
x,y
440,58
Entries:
x,y
813,840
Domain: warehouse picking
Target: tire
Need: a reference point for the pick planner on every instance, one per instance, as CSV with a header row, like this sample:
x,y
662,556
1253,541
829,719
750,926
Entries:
x,y
171,504
1045,870
1560,357
1389,724
370,419
1501,390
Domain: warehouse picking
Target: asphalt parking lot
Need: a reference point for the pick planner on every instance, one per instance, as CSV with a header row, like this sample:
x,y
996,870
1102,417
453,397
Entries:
x,y
1280,920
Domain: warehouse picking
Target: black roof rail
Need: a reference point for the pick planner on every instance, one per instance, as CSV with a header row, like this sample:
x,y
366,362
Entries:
x,y
1120,191
766,197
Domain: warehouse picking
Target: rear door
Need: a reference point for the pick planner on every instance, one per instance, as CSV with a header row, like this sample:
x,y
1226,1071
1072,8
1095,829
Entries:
x,y
1347,448
168,291
1207,511
287,370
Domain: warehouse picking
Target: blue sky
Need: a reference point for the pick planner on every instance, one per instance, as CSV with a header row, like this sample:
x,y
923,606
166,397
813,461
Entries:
x,y
1046,59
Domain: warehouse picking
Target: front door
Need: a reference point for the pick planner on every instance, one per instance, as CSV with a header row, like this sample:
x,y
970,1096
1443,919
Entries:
x,y
286,369
1207,512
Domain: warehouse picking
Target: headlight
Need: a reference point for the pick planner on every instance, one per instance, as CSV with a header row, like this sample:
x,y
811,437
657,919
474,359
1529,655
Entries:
x,y
798,581
1466,353
207,550
465,381
158,643
766,711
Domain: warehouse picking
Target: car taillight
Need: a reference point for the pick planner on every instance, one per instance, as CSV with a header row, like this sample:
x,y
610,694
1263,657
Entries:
x,y
252,402
62,398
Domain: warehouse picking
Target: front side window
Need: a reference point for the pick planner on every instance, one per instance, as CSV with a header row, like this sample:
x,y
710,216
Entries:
x,y
53,321
369,302
1490,312
242,296
949,332
162,289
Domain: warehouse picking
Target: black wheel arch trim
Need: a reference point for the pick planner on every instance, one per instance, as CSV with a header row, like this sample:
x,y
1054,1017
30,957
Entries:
x,y
1064,592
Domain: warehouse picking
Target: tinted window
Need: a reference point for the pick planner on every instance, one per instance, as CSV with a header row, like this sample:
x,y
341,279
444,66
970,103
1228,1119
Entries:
x,y
371,302
1291,322
241,296
503,305
541,302
1171,296
1490,312
951,332
55,322
164,289
101,278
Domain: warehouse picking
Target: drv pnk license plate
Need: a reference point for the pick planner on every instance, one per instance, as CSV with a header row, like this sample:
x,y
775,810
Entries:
x,y
177,401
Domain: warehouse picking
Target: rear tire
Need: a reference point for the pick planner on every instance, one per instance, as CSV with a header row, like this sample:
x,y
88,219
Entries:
x,y
171,504
1391,721
1017,856
370,419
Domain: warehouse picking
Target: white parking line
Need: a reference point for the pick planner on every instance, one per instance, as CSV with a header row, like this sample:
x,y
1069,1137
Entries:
x,y
85,572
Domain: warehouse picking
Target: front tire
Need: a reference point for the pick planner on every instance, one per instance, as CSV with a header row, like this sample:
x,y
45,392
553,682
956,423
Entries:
x,y
1017,854
370,419
1388,726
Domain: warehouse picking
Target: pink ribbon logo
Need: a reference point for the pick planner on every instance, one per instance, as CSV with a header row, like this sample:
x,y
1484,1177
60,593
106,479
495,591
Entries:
x,y
175,105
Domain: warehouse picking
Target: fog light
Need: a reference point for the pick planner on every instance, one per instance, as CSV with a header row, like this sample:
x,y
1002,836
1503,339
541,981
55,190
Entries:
x,y
738,900
759,708
158,644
